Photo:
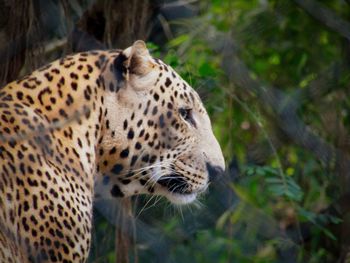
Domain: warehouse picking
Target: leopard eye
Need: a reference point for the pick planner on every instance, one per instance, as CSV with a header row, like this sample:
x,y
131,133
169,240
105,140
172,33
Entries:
x,y
186,114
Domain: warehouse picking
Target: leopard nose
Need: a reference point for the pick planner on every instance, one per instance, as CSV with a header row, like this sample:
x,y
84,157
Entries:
x,y
214,172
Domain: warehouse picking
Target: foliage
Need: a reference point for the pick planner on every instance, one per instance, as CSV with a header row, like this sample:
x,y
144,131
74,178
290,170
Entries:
x,y
282,188
285,139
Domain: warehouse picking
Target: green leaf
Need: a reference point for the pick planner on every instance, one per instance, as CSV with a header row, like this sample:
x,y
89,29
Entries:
x,y
206,70
178,40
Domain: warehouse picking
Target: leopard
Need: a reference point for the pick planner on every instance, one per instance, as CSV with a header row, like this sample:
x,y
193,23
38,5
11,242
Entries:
x,y
95,125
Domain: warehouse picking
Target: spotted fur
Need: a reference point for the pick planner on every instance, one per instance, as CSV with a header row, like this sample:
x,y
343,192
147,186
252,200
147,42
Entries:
x,y
99,124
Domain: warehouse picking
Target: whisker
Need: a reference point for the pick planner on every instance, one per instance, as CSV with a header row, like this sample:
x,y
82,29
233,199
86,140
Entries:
x,y
143,208
181,213
180,185
157,199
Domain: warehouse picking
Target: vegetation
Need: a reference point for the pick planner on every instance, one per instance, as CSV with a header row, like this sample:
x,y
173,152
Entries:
x,y
274,76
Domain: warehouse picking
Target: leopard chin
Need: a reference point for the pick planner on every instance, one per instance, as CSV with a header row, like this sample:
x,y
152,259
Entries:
x,y
181,199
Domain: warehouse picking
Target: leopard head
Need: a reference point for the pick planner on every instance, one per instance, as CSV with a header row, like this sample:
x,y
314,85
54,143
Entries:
x,y
159,138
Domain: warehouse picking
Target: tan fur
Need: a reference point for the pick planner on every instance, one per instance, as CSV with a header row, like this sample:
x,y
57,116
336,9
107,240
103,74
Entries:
x,y
106,124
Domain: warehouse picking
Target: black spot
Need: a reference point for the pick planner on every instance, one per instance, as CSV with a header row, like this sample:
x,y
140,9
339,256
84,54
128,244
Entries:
x,y
115,191
48,76
125,124
20,154
87,95
74,85
155,110
167,82
55,70
25,206
138,146
65,249
31,157
111,87
161,121
146,136
124,153
73,75
113,150
133,160
153,159
20,95
117,168
142,132
62,81
69,100
131,134
30,99
126,181
89,68
60,234
143,181
7,98
42,92
63,113
145,158
156,96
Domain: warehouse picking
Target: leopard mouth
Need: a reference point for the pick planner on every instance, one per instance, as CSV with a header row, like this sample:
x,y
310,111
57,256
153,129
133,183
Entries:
x,y
177,189
175,183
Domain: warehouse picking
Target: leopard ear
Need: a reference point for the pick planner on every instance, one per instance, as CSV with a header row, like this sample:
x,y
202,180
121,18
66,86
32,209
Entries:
x,y
134,60
134,67
139,62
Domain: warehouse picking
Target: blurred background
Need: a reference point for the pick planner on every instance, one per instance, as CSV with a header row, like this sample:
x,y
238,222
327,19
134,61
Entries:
x,y
274,76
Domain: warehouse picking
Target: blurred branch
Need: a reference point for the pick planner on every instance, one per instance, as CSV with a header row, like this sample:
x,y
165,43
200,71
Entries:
x,y
55,45
123,234
326,17
166,27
